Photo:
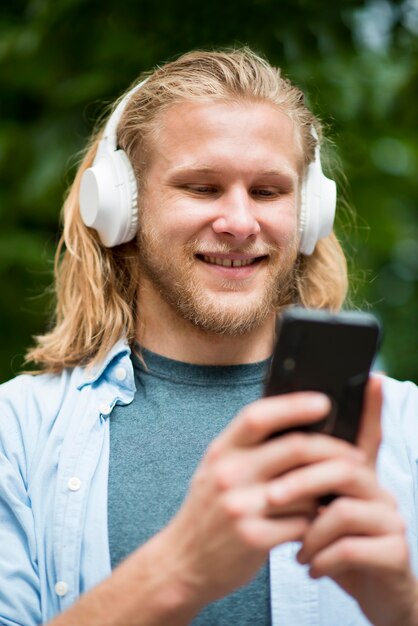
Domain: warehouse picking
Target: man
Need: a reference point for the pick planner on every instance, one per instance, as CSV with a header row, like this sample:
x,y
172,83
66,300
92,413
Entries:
x,y
139,486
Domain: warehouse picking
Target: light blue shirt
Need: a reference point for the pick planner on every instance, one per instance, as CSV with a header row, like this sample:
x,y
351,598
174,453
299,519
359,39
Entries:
x,y
54,456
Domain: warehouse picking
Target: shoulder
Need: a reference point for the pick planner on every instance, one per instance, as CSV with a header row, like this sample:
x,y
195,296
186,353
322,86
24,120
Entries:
x,y
33,397
400,399
35,408
29,406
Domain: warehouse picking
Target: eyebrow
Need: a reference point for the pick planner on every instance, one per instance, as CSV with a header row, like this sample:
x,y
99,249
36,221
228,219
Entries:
x,y
208,169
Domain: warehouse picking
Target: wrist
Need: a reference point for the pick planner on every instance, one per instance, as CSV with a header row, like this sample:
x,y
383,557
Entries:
x,y
144,590
185,591
409,615
163,570
413,619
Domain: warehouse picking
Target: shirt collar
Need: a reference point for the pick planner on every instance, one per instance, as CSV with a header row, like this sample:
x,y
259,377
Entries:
x,y
119,354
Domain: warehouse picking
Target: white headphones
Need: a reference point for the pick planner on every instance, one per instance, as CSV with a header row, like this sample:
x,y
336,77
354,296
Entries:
x,y
109,194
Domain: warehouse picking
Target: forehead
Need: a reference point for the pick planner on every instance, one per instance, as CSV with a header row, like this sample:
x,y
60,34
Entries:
x,y
256,134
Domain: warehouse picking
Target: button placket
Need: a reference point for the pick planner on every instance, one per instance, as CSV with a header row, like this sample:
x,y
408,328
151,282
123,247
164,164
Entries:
x,y
74,483
105,409
61,588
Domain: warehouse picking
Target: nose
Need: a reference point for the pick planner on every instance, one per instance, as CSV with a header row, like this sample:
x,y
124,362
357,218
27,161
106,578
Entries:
x,y
236,216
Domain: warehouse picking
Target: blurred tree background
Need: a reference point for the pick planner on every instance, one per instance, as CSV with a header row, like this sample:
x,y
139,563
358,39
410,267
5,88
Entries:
x,y
63,61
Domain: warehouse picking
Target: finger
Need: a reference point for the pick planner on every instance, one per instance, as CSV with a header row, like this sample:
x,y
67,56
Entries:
x,y
347,516
370,427
297,449
279,455
341,476
388,553
262,418
266,533
251,501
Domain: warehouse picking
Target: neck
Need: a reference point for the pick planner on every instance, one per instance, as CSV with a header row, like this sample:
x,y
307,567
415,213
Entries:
x,y
169,335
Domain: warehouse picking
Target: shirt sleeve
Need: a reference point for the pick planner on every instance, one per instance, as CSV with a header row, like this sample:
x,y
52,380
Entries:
x,y
19,580
399,453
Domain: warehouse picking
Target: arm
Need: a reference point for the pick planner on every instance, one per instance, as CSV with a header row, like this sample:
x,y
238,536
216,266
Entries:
x,y
19,579
225,528
145,590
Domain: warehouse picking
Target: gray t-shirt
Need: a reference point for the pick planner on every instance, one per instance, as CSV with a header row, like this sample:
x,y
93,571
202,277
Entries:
x,y
157,442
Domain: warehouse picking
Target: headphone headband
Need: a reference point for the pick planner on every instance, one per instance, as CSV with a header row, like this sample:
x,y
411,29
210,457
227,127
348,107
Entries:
x,y
111,128
108,192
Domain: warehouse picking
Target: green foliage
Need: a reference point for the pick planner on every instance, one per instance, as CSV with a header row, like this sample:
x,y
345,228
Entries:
x,y
63,61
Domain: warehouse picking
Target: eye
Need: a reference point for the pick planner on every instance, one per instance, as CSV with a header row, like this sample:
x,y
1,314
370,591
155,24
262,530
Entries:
x,y
266,193
201,190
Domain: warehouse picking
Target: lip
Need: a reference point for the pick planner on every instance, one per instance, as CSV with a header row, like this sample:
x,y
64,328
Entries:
x,y
232,273
231,255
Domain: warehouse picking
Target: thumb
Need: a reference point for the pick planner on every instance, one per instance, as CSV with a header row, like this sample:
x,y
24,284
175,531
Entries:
x,y
370,434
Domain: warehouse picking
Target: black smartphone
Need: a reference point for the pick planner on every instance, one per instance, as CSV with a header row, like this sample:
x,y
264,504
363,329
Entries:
x,y
329,352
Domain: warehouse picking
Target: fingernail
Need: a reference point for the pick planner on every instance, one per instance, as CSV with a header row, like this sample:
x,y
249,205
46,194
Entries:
x,y
301,557
320,402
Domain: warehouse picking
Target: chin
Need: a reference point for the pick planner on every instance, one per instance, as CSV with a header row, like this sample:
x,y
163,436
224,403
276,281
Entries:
x,y
231,319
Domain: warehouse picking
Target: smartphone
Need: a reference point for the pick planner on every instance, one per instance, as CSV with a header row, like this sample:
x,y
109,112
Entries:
x,y
329,352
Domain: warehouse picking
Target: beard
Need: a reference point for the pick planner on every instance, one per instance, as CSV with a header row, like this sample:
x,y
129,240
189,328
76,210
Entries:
x,y
228,312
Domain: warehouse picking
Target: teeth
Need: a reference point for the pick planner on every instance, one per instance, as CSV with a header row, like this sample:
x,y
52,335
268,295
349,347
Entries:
x,y
228,262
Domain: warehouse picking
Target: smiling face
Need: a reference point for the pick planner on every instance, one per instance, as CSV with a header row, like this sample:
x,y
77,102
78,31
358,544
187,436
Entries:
x,y
218,220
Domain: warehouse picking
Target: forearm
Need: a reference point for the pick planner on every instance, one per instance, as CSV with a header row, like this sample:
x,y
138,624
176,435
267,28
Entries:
x,y
145,590
409,599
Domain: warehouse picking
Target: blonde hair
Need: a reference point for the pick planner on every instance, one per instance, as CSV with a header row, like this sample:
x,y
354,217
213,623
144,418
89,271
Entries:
x,y
96,287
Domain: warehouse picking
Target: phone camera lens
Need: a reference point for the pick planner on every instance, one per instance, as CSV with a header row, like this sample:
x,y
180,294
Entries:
x,y
289,364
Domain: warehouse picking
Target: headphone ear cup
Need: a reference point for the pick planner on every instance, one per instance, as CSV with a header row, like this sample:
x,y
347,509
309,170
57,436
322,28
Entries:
x,y
109,198
317,211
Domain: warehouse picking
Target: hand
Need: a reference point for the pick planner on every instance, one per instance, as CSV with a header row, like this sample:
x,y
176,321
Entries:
x,y
228,523
359,539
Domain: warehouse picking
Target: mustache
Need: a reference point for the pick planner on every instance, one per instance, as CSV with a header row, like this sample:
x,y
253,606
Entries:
x,y
253,249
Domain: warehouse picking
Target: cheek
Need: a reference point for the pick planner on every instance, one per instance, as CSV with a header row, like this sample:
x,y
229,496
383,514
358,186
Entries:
x,y
183,218
281,226
163,212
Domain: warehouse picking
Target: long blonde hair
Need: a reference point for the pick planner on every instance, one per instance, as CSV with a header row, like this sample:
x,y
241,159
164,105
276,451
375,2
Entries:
x,y
95,286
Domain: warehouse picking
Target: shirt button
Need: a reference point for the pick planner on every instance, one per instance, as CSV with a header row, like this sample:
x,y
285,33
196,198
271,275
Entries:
x,y
61,588
120,373
105,409
74,483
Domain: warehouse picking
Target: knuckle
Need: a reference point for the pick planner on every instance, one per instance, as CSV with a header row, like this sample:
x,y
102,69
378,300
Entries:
x,y
214,450
351,473
348,550
251,420
400,561
339,447
229,507
343,510
249,534
224,476
297,444
200,479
